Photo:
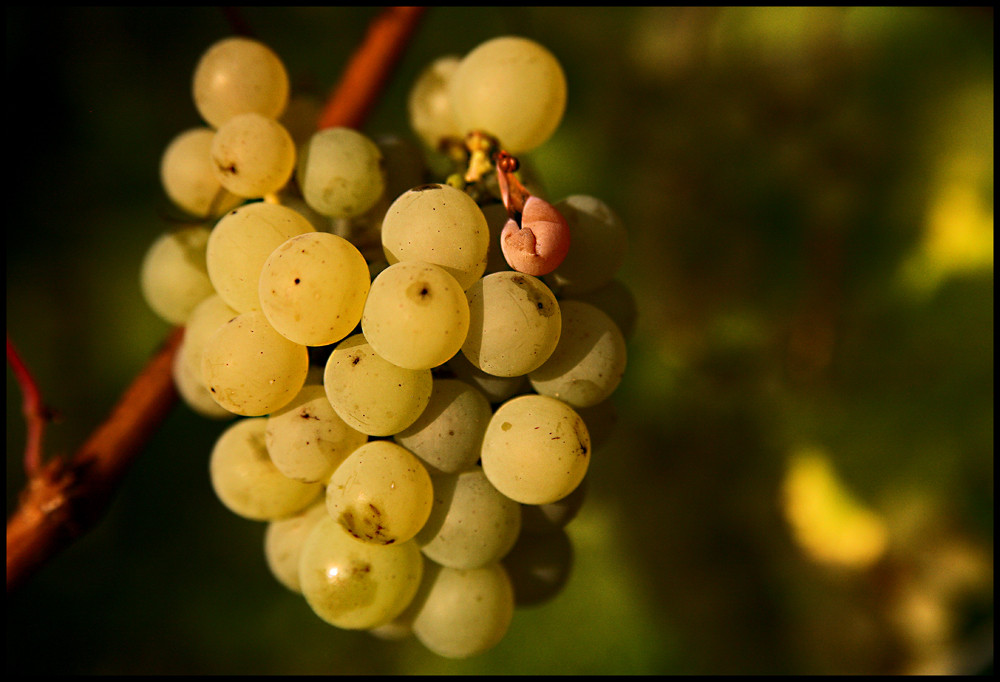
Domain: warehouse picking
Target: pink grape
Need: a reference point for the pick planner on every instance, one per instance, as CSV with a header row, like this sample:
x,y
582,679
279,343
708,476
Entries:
x,y
539,244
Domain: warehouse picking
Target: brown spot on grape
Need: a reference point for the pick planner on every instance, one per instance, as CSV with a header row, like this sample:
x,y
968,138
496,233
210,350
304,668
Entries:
x,y
534,294
581,435
424,188
366,525
419,292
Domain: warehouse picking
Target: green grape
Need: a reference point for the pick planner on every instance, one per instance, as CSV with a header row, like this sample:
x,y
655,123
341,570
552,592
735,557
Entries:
x,y
188,178
191,388
307,439
240,244
313,287
441,225
416,315
429,103
380,494
203,321
283,541
598,250
247,482
253,155
617,301
449,432
250,369
370,393
340,172
357,585
536,449
496,389
589,360
239,75
472,524
514,324
512,88
464,612
174,277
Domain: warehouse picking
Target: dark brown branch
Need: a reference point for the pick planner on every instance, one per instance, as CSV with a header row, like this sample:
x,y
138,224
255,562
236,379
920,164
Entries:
x,y
66,497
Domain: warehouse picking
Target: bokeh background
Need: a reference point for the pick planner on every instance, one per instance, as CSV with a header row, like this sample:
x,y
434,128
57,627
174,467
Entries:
x,y
801,477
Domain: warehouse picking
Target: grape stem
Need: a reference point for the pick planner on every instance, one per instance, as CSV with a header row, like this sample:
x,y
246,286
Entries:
x,y
513,193
65,497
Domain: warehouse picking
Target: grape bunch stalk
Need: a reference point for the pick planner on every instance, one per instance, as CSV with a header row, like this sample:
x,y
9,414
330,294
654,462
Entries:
x,y
415,348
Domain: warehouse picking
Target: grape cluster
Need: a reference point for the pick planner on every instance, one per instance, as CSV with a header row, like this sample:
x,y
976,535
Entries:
x,y
412,360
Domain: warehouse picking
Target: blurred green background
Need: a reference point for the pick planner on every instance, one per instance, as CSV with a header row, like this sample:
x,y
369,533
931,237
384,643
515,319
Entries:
x,y
801,479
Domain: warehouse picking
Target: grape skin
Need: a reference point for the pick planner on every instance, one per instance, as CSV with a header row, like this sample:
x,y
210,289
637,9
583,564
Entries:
x,y
416,315
438,224
247,482
588,362
449,432
204,320
370,393
283,541
464,612
381,494
174,275
514,324
252,155
250,369
191,388
512,88
240,244
313,288
188,178
472,523
357,585
239,75
340,173
536,449
429,104
307,439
